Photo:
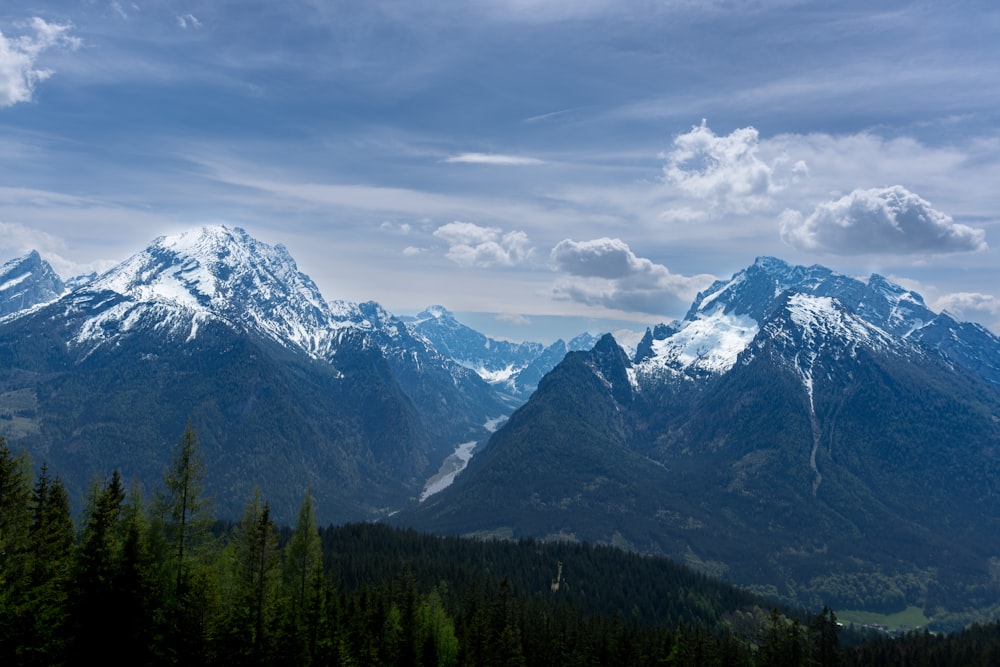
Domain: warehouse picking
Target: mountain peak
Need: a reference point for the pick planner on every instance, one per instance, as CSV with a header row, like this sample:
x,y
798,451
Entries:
x,y
27,281
437,312
221,272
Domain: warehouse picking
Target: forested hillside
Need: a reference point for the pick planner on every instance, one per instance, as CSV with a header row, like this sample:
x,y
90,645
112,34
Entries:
x,y
159,581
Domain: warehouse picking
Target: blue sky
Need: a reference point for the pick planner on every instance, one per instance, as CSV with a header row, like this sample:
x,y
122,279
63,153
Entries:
x,y
539,166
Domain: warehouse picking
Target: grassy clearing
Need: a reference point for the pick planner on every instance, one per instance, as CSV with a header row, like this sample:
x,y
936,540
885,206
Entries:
x,y
912,617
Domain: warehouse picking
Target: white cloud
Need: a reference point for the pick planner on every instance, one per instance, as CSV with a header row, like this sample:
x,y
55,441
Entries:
x,y
493,159
889,220
18,56
607,273
400,228
186,21
412,251
725,172
513,318
971,307
474,245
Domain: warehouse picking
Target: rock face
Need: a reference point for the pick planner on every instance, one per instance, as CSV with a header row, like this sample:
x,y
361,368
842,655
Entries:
x,y
286,390
815,436
27,281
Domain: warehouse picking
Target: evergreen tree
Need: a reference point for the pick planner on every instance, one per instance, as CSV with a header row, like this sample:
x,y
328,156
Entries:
x,y
14,524
94,574
184,509
256,583
136,591
179,540
303,587
50,544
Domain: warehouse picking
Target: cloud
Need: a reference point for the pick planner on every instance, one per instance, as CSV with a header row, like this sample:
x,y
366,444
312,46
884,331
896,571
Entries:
x,y
473,245
18,56
606,272
972,307
724,171
493,159
889,220
513,318
186,21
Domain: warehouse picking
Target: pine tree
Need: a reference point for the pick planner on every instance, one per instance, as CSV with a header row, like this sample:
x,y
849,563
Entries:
x,y
94,573
50,544
14,525
180,536
184,510
136,592
256,580
303,587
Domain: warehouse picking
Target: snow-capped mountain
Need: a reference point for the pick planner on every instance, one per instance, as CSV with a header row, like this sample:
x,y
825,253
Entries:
x,y
27,281
823,438
213,273
287,390
726,317
512,368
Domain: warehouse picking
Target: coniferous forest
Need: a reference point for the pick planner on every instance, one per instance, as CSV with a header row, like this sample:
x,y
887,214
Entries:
x,y
160,581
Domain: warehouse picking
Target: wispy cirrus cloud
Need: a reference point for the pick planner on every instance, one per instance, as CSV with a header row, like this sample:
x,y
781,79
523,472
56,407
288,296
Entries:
x,y
889,220
493,159
19,56
485,247
606,272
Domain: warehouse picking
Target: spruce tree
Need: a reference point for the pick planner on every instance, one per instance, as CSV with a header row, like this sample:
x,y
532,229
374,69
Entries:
x,y
94,573
50,545
14,525
303,586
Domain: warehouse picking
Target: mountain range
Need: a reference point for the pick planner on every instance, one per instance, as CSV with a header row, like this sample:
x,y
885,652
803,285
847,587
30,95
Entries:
x,y
285,389
814,436
817,437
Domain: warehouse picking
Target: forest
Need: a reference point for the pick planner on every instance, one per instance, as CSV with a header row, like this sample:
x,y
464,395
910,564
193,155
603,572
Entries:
x,y
162,581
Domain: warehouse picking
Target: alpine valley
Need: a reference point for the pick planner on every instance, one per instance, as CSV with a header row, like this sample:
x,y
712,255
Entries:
x,y
816,437
810,435
286,391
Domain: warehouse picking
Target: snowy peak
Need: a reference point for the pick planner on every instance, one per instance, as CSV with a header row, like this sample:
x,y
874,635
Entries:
x,y
221,272
897,310
726,317
27,281
805,325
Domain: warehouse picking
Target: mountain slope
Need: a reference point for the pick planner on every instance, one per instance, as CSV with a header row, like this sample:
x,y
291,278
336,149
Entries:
x,y
792,434
286,391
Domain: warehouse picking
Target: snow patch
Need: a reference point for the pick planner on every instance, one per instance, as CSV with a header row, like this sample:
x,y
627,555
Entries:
x,y
14,281
709,343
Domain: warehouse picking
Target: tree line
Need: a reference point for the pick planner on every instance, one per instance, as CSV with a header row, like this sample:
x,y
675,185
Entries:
x,y
161,581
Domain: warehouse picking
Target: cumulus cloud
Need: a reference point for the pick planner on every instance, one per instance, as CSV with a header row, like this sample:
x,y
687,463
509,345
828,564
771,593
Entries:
x,y
18,57
725,172
492,158
474,245
889,220
606,272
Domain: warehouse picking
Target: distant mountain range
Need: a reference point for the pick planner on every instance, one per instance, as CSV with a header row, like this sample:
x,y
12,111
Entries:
x,y
513,369
815,436
286,390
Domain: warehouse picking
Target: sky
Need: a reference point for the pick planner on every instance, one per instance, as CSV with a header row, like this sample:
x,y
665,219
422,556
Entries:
x,y
539,167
